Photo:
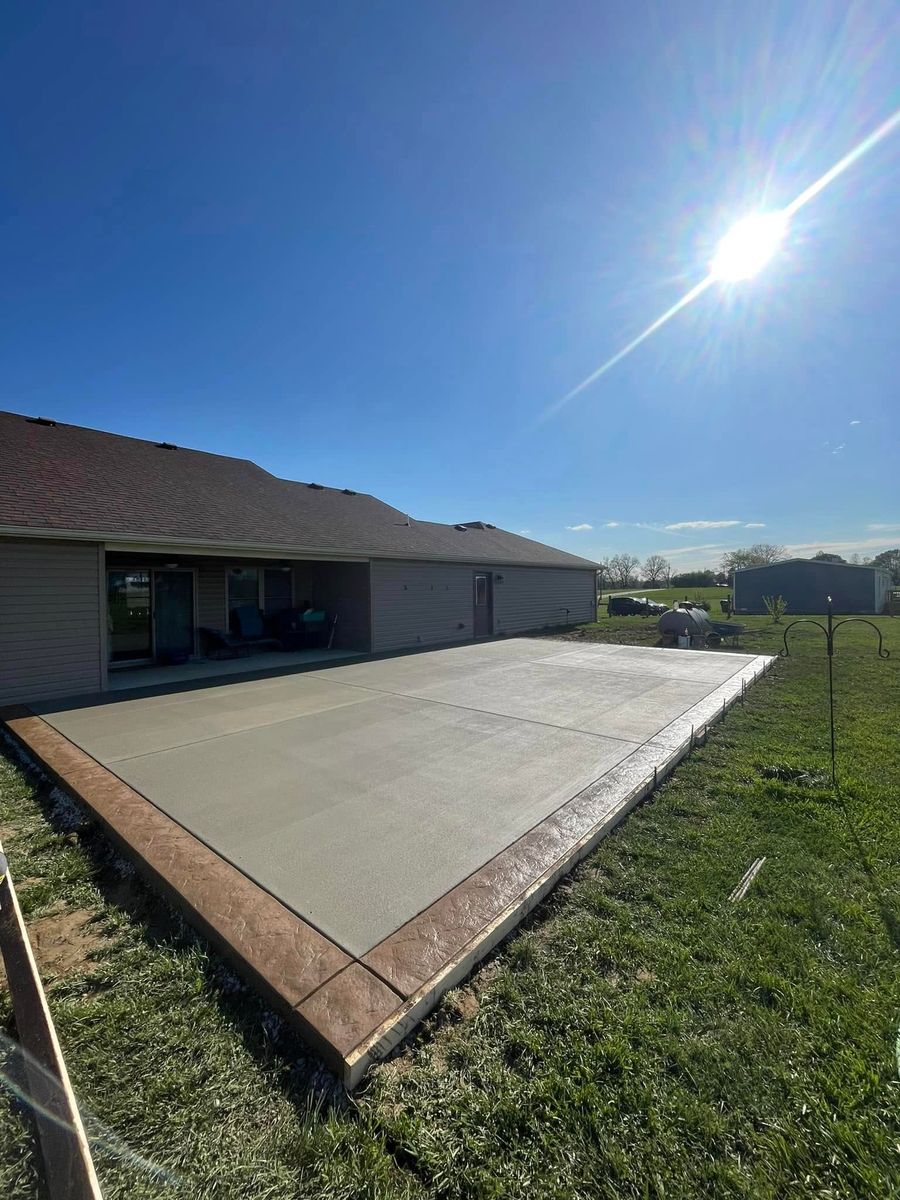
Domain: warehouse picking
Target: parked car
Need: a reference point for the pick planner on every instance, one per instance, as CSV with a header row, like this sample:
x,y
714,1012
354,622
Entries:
x,y
634,606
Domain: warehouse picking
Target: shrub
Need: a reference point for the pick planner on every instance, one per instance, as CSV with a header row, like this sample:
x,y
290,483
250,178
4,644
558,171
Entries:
x,y
693,579
776,607
699,602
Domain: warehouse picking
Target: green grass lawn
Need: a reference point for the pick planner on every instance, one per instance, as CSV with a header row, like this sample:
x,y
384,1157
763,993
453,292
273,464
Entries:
x,y
640,1037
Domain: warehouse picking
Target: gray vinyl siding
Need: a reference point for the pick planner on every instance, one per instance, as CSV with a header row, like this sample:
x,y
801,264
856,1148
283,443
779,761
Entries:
x,y
533,597
420,604
50,597
211,583
426,603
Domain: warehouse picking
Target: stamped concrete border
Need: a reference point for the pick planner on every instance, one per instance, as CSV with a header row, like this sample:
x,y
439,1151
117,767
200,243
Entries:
x,y
279,954
354,1011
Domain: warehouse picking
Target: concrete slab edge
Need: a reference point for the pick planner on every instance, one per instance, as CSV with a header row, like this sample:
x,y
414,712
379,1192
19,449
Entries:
x,y
355,1015
417,1005
285,960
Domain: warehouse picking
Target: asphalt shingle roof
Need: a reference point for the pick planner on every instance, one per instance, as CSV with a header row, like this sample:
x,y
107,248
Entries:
x,y
77,480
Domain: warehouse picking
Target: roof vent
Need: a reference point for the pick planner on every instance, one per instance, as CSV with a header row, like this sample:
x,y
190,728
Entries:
x,y
41,421
349,492
317,487
478,525
462,528
166,446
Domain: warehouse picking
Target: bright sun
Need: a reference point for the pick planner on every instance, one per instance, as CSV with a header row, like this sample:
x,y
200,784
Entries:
x,y
748,246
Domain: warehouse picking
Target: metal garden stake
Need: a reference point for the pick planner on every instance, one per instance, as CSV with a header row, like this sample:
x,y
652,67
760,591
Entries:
x,y
829,632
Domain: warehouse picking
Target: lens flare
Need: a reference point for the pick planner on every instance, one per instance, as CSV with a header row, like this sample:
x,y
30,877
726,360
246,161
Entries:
x,y
741,254
748,246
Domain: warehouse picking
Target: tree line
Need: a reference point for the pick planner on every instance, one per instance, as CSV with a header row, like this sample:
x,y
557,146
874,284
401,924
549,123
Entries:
x,y
626,570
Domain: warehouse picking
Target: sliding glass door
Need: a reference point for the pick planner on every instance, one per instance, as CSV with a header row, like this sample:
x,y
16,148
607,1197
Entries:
x,y
150,614
130,633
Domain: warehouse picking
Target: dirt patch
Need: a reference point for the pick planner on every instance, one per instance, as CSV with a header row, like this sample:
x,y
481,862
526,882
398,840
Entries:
x,y
485,975
466,1003
64,941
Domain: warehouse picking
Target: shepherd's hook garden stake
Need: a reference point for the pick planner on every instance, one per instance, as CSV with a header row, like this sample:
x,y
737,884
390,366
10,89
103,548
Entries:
x,y
829,632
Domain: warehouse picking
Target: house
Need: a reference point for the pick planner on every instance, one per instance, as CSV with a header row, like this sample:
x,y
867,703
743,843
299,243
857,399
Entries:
x,y
116,552
807,583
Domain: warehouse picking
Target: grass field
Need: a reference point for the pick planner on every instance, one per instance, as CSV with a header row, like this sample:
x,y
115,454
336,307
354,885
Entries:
x,y
640,1037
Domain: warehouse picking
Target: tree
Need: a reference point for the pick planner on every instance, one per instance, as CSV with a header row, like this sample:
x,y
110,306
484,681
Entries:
x,y
760,554
824,556
656,568
891,560
604,574
621,567
693,579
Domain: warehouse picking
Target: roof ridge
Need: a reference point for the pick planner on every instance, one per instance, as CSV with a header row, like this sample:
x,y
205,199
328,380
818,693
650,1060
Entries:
x,y
76,481
129,437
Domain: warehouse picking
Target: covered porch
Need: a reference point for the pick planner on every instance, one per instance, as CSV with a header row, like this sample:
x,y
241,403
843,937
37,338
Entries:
x,y
172,617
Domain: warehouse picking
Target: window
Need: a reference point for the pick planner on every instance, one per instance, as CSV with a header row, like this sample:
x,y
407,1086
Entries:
x,y
243,588
481,589
278,590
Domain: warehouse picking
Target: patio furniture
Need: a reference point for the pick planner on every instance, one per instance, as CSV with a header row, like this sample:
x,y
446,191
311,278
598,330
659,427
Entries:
x,y
289,629
314,627
247,623
216,643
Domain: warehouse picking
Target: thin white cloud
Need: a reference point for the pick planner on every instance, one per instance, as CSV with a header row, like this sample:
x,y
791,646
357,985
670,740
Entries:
x,y
523,532
839,448
856,422
583,528
709,554
801,549
700,525
755,525
692,549
654,527
888,527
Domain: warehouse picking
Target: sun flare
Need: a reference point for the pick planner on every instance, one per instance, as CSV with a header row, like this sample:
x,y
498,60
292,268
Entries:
x,y
748,246
742,253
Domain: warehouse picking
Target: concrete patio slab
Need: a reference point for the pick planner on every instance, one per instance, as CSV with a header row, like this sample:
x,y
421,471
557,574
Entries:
x,y
356,818
406,812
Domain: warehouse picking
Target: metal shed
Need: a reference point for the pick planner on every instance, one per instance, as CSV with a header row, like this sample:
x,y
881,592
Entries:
x,y
805,583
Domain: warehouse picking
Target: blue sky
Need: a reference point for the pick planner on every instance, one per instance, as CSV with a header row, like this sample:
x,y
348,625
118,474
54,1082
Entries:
x,y
371,245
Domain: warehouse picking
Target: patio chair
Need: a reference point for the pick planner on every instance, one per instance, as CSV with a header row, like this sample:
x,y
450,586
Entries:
x,y
248,624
